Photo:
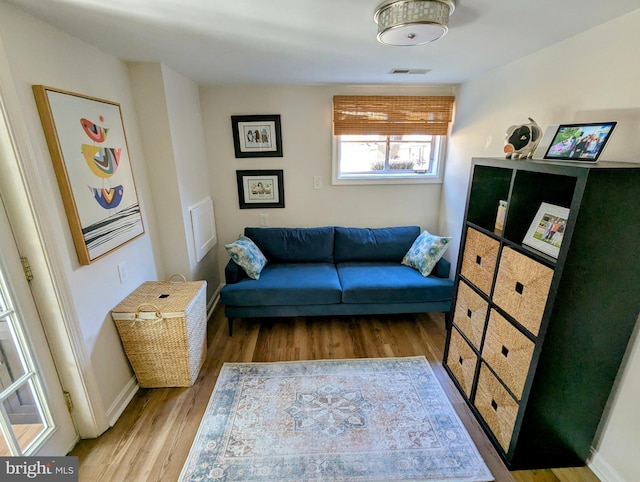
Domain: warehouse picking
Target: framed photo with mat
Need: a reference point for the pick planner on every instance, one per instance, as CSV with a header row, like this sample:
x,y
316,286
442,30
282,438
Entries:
x,y
547,229
257,135
260,189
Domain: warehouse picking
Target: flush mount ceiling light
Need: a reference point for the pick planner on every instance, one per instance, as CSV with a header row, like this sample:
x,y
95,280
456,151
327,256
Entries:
x,y
412,22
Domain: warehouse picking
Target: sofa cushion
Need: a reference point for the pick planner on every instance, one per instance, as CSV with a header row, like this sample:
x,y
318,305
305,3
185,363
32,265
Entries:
x,y
425,252
286,284
294,245
389,282
442,269
246,254
374,244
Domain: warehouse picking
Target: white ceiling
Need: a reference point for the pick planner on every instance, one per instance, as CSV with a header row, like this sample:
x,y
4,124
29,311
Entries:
x,y
317,41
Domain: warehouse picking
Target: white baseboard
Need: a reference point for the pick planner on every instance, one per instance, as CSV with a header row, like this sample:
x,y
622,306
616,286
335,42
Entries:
x,y
72,445
602,469
122,400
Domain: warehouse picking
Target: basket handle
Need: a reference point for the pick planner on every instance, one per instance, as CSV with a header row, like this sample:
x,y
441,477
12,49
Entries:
x,y
158,318
184,280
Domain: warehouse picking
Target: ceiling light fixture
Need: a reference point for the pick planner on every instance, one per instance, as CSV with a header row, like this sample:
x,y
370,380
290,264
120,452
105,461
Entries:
x,y
412,22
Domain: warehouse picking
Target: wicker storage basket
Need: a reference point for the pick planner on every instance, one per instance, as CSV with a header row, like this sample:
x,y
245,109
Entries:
x,y
496,406
479,259
163,328
462,361
470,313
508,352
522,288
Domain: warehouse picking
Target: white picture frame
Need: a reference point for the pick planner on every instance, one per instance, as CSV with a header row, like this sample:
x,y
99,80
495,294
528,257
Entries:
x,y
547,229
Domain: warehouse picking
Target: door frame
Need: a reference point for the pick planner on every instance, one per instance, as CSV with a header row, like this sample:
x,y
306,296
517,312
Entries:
x,y
26,205
38,378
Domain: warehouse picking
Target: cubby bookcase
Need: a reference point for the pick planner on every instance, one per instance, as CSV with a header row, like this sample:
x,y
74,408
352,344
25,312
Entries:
x,y
534,342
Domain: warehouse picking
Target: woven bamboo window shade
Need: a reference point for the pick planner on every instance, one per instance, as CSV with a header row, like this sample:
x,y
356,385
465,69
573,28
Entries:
x,y
392,115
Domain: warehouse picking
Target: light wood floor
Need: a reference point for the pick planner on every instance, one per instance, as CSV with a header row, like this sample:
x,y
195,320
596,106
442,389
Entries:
x,y
152,438
25,433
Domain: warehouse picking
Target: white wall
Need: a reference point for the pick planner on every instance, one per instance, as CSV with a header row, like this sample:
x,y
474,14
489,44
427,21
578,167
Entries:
x,y
619,444
590,77
168,108
39,54
306,118
192,166
148,88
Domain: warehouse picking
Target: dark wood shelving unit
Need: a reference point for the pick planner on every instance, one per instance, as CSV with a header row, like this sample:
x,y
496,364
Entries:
x,y
535,343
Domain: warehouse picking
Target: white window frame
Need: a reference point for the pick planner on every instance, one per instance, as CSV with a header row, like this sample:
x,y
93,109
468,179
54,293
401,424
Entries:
x,y
435,177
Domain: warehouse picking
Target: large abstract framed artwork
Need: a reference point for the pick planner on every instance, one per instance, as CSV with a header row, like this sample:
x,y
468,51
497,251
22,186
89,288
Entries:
x,y
88,147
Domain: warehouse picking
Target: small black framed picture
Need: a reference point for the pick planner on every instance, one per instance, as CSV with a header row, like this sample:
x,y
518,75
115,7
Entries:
x,y
260,189
257,135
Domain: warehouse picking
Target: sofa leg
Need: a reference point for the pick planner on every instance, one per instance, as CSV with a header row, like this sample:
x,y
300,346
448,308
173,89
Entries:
x,y
447,320
230,323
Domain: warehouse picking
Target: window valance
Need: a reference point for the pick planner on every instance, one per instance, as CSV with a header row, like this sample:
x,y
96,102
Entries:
x,y
392,115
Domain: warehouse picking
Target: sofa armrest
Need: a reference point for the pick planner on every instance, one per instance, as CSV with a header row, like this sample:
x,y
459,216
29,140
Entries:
x,y
442,268
233,273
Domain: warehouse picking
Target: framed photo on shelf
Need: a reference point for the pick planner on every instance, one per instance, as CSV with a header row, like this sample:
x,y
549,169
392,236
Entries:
x,y
88,148
260,189
257,135
547,229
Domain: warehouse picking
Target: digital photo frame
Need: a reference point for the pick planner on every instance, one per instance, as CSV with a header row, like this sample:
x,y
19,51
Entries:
x,y
579,142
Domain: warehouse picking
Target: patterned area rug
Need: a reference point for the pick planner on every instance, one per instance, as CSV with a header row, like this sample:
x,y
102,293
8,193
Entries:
x,y
383,419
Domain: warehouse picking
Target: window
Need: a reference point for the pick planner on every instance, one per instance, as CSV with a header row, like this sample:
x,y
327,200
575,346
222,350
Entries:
x,y
382,139
388,156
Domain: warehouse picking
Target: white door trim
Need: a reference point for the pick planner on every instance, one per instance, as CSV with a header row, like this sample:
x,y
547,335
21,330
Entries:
x,y
58,435
26,204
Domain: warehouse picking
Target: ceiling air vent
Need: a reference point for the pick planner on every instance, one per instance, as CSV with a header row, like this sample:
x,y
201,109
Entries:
x,y
410,71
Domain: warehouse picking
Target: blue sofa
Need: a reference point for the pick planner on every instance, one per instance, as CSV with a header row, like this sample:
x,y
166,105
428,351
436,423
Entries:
x,y
334,271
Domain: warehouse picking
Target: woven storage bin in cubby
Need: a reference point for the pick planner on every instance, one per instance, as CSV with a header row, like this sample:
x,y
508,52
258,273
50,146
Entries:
x,y
508,352
522,288
479,259
462,361
496,406
470,313
163,328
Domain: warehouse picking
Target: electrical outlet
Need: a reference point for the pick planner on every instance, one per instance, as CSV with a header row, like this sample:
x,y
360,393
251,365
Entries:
x,y
317,182
123,273
264,220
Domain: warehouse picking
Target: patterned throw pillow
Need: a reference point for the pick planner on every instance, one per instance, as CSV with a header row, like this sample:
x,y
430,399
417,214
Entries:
x,y
425,252
247,255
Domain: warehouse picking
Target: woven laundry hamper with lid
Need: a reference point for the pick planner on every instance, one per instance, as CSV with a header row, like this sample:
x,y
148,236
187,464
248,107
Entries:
x,y
163,328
